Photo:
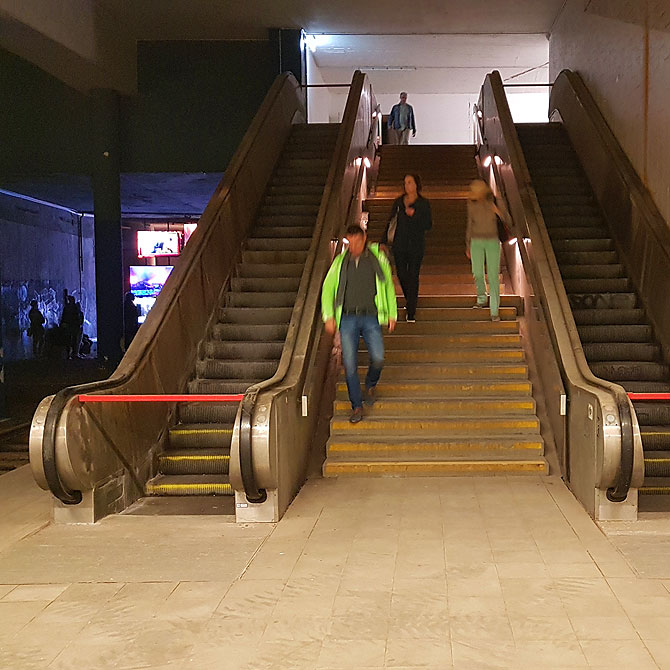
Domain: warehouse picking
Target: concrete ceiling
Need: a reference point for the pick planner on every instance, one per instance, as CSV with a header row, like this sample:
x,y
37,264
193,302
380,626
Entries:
x,y
432,63
163,194
232,19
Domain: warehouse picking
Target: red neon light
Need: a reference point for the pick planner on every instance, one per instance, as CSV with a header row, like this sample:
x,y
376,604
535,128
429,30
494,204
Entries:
x,y
649,396
161,398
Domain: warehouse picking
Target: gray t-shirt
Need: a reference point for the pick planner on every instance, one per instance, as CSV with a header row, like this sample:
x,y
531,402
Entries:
x,y
359,295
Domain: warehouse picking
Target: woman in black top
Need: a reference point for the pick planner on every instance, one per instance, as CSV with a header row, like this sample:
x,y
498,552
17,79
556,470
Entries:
x,y
414,220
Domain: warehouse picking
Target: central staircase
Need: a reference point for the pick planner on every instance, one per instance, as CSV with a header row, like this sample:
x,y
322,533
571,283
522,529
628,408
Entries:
x,y
454,396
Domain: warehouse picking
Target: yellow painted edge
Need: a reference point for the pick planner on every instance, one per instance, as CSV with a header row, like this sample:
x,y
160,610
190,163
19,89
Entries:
x,y
213,457
202,431
353,447
157,488
427,467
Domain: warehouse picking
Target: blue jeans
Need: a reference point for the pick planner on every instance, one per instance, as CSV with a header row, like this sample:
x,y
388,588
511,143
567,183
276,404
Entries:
x,y
352,327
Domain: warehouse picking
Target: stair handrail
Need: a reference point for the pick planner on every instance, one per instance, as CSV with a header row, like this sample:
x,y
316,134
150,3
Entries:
x,y
308,283
44,432
551,289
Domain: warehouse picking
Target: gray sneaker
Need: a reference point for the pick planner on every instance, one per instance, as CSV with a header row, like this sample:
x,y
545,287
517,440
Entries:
x,y
356,415
370,397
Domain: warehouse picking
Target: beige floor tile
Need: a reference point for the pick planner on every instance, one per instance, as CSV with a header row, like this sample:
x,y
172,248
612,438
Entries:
x,y
356,626
28,592
419,652
484,655
433,625
5,589
531,627
15,615
522,570
603,627
633,588
652,627
642,606
550,654
297,627
251,598
473,627
464,606
574,570
660,652
624,653
352,653
289,654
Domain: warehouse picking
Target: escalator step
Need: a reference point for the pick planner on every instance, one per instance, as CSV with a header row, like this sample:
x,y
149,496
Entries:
x,y
619,333
646,387
276,271
622,351
611,285
254,315
568,208
221,386
578,232
194,462
556,220
657,464
655,437
618,371
583,244
310,209
282,231
656,486
652,413
242,350
602,301
592,271
278,243
586,257
261,285
260,299
275,256
251,333
189,485
207,412
213,368
201,436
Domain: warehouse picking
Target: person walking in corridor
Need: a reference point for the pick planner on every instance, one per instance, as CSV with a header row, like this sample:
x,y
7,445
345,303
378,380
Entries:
x,y
401,121
36,329
412,215
358,297
482,245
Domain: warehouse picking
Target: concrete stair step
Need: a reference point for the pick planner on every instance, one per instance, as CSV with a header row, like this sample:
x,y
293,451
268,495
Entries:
x,y
431,371
434,468
430,427
408,388
456,327
447,343
397,407
471,356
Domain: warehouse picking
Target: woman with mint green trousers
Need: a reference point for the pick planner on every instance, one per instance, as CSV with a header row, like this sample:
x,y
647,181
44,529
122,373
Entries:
x,y
482,245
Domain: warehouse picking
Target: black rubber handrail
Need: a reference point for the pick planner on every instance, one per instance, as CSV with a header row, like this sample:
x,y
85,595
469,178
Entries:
x,y
619,492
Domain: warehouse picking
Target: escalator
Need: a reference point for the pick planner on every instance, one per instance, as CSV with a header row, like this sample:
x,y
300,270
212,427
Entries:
x,y
245,341
618,340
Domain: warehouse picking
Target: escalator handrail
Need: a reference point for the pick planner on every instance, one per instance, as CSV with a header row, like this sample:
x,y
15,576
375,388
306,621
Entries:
x,y
252,492
166,301
652,215
532,211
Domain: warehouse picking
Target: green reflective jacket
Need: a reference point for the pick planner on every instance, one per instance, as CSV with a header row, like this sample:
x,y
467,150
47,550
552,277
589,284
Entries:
x,y
332,293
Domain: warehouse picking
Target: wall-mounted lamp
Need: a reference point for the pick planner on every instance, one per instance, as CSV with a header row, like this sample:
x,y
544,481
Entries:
x,y
487,162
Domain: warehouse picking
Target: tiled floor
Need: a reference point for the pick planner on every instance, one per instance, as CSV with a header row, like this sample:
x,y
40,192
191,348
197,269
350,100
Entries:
x,y
467,573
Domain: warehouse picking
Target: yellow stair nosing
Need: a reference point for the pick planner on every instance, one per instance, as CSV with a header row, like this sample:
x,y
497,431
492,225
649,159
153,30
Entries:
x,y
334,468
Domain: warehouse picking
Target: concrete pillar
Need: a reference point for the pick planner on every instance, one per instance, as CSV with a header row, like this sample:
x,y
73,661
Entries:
x,y
105,144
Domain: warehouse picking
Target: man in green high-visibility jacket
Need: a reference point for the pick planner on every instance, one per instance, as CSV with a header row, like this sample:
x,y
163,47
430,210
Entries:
x,y
358,297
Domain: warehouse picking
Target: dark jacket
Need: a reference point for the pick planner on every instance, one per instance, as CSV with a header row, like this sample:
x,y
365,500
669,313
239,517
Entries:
x,y
411,229
394,118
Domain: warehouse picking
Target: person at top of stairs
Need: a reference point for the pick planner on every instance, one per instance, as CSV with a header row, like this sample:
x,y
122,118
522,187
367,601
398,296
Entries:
x,y
358,297
482,244
414,219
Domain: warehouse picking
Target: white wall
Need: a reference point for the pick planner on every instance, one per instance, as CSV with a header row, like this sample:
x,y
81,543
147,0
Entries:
x,y
605,43
318,99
